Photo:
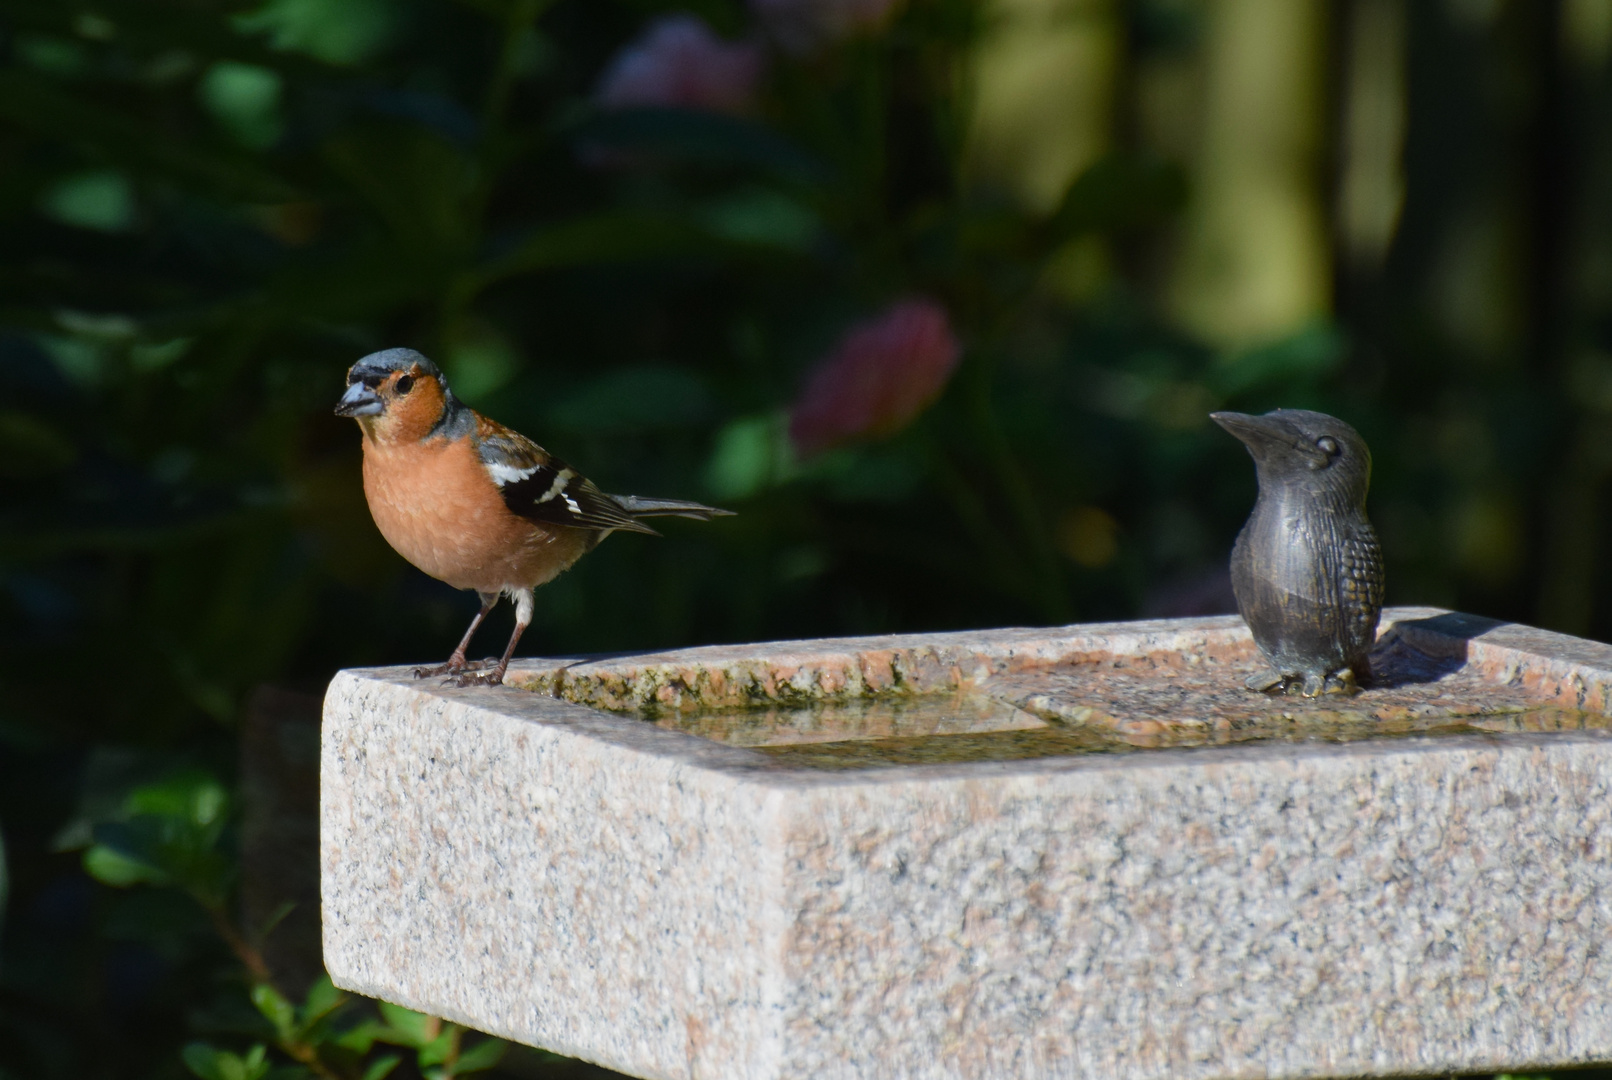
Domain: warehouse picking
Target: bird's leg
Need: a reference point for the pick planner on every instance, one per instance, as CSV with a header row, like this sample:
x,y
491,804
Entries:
x,y
457,663
495,677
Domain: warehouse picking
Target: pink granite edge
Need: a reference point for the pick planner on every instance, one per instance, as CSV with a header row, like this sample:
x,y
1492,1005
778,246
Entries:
x,y
1556,667
843,668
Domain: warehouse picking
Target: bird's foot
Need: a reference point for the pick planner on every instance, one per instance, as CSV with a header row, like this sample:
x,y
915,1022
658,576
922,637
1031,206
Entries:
x,y
453,667
476,679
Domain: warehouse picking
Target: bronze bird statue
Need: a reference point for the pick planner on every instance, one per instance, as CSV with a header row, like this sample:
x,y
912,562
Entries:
x,y
1307,568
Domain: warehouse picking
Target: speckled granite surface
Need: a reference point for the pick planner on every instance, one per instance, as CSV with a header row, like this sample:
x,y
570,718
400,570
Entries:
x,y
970,877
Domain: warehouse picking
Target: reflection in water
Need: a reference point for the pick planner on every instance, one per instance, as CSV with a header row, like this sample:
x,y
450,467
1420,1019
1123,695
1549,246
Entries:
x,y
863,720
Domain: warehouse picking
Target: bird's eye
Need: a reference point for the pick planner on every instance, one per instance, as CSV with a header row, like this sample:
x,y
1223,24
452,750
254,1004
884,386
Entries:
x,y
1327,445
405,383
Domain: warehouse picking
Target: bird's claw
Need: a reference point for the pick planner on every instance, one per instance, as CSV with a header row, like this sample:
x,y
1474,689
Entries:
x,y
472,678
451,668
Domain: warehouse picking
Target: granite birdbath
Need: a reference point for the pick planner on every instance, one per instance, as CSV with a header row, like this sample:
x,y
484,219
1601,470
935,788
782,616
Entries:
x,y
1076,852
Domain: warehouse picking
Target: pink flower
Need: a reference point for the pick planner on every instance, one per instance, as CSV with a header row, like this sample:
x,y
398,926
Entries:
x,y
883,373
678,62
801,26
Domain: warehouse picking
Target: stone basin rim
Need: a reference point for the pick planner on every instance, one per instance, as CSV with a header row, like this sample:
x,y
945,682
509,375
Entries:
x,y
809,673
1080,642
1551,669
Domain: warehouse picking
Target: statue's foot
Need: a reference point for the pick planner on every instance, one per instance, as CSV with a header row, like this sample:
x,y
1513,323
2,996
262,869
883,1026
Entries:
x,y
1342,681
1266,681
1306,684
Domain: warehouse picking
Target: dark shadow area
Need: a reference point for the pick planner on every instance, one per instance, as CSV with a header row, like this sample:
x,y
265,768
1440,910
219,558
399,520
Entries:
x,y
279,891
1397,661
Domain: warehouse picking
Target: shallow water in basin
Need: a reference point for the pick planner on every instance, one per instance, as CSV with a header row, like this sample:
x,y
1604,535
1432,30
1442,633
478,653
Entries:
x,y
1130,705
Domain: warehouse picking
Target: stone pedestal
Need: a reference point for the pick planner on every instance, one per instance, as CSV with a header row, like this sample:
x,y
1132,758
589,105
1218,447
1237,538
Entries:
x,y
1076,852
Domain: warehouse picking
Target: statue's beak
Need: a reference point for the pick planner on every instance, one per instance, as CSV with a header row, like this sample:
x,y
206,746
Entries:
x,y
359,400
1264,435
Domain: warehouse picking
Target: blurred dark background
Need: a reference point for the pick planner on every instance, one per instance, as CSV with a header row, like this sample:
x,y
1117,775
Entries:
x,y
671,241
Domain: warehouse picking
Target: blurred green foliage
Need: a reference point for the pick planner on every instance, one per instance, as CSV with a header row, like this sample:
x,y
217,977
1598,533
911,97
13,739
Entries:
x,y
209,209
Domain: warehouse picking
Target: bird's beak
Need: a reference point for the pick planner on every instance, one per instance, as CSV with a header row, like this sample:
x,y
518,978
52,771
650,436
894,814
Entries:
x,y
359,400
1262,434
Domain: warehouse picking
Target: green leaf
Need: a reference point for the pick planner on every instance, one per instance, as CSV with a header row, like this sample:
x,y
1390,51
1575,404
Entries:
x,y
193,796
484,1055
203,1060
407,1027
323,999
764,218
361,1037
439,1049
245,100
276,1009
169,835
211,1063
751,454
174,851
102,199
381,1066
112,867
156,355
344,33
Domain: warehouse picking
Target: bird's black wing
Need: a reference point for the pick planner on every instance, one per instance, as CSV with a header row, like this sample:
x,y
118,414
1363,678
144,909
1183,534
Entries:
x,y
540,487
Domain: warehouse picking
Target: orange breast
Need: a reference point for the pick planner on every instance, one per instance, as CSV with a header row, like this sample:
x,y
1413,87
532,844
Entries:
x,y
435,503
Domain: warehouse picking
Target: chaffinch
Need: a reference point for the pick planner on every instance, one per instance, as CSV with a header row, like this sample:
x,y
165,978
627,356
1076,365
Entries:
x,y
473,503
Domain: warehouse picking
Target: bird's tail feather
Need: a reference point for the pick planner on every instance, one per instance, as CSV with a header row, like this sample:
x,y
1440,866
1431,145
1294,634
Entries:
x,y
639,506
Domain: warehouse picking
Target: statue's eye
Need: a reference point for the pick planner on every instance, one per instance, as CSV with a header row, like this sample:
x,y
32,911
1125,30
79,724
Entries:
x,y
406,383
1327,445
